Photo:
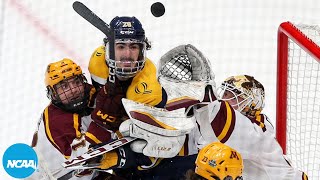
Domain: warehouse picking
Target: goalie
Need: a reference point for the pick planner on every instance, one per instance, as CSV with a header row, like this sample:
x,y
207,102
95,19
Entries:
x,y
214,120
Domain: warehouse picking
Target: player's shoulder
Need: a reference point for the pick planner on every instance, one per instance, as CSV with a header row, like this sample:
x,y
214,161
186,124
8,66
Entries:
x,y
58,121
98,52
148,72
97,64
54,114
149,65
145,87
54,110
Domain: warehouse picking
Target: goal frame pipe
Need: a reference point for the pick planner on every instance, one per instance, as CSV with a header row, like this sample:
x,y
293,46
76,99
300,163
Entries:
x,y
287,30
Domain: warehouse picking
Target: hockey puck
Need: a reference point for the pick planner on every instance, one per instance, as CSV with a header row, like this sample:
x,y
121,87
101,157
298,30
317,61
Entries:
x,y
157,9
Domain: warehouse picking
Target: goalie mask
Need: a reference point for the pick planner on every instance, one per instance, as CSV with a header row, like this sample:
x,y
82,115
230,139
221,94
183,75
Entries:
x,y
184,71
130,47
244,93
218,161
66,85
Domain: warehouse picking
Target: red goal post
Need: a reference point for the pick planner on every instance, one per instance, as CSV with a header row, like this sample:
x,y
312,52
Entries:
x,y
298,91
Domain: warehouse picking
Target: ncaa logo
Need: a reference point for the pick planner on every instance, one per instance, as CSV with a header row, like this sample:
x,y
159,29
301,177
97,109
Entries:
x,y
20,160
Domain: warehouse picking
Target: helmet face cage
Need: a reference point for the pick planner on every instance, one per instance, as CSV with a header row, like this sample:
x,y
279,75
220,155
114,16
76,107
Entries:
x,y
247,92
128,69
128,30
241,98
70,93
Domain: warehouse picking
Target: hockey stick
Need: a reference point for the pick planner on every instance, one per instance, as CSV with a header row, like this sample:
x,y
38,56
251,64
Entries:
x,y
97,22
77,163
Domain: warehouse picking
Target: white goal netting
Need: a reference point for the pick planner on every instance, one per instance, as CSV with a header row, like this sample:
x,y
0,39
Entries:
x,y
303,103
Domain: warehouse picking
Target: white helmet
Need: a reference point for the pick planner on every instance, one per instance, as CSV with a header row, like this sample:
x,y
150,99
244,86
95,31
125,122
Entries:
x,y
247,92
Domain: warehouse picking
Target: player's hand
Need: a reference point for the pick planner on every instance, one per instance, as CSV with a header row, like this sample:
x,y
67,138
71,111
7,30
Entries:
x,y
109,108
122,157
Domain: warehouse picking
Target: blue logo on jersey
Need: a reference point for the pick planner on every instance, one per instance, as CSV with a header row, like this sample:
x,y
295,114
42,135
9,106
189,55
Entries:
x,y
20,160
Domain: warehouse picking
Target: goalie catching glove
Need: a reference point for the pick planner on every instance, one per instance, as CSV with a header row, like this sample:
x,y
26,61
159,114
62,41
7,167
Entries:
x,y
185,71
109,109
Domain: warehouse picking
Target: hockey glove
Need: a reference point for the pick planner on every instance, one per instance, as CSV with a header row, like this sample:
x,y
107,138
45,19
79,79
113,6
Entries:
x,y
109,108
125,158
122,157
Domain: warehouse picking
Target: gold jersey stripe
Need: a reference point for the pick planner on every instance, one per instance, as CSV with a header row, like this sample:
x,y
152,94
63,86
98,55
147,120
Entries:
x,y
46,121
93,137
76,125
227,124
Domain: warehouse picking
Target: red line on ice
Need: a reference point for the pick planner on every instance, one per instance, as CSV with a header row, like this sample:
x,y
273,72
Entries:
x,y
44,30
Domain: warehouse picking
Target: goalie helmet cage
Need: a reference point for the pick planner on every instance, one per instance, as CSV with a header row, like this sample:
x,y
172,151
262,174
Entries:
x,y
298,96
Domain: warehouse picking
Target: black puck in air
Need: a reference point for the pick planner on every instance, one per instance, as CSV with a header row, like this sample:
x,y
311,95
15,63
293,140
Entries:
x,y
157,9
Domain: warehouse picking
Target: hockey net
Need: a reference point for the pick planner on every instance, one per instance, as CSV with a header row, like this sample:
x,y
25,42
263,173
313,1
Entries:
x,y
298,96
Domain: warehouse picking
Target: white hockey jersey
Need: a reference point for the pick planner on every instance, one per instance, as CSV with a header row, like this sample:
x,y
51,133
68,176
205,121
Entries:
x,y
218,121
59,136
262,155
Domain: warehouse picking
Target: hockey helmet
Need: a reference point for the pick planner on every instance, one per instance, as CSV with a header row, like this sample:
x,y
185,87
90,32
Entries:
x,y
128,30
246,91
217,161
65,84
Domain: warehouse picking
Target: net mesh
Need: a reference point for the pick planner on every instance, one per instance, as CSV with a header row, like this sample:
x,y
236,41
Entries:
x,y
303,115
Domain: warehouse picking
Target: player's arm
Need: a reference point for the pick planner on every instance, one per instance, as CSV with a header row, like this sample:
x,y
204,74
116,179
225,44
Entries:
x,y
63,130
107,115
